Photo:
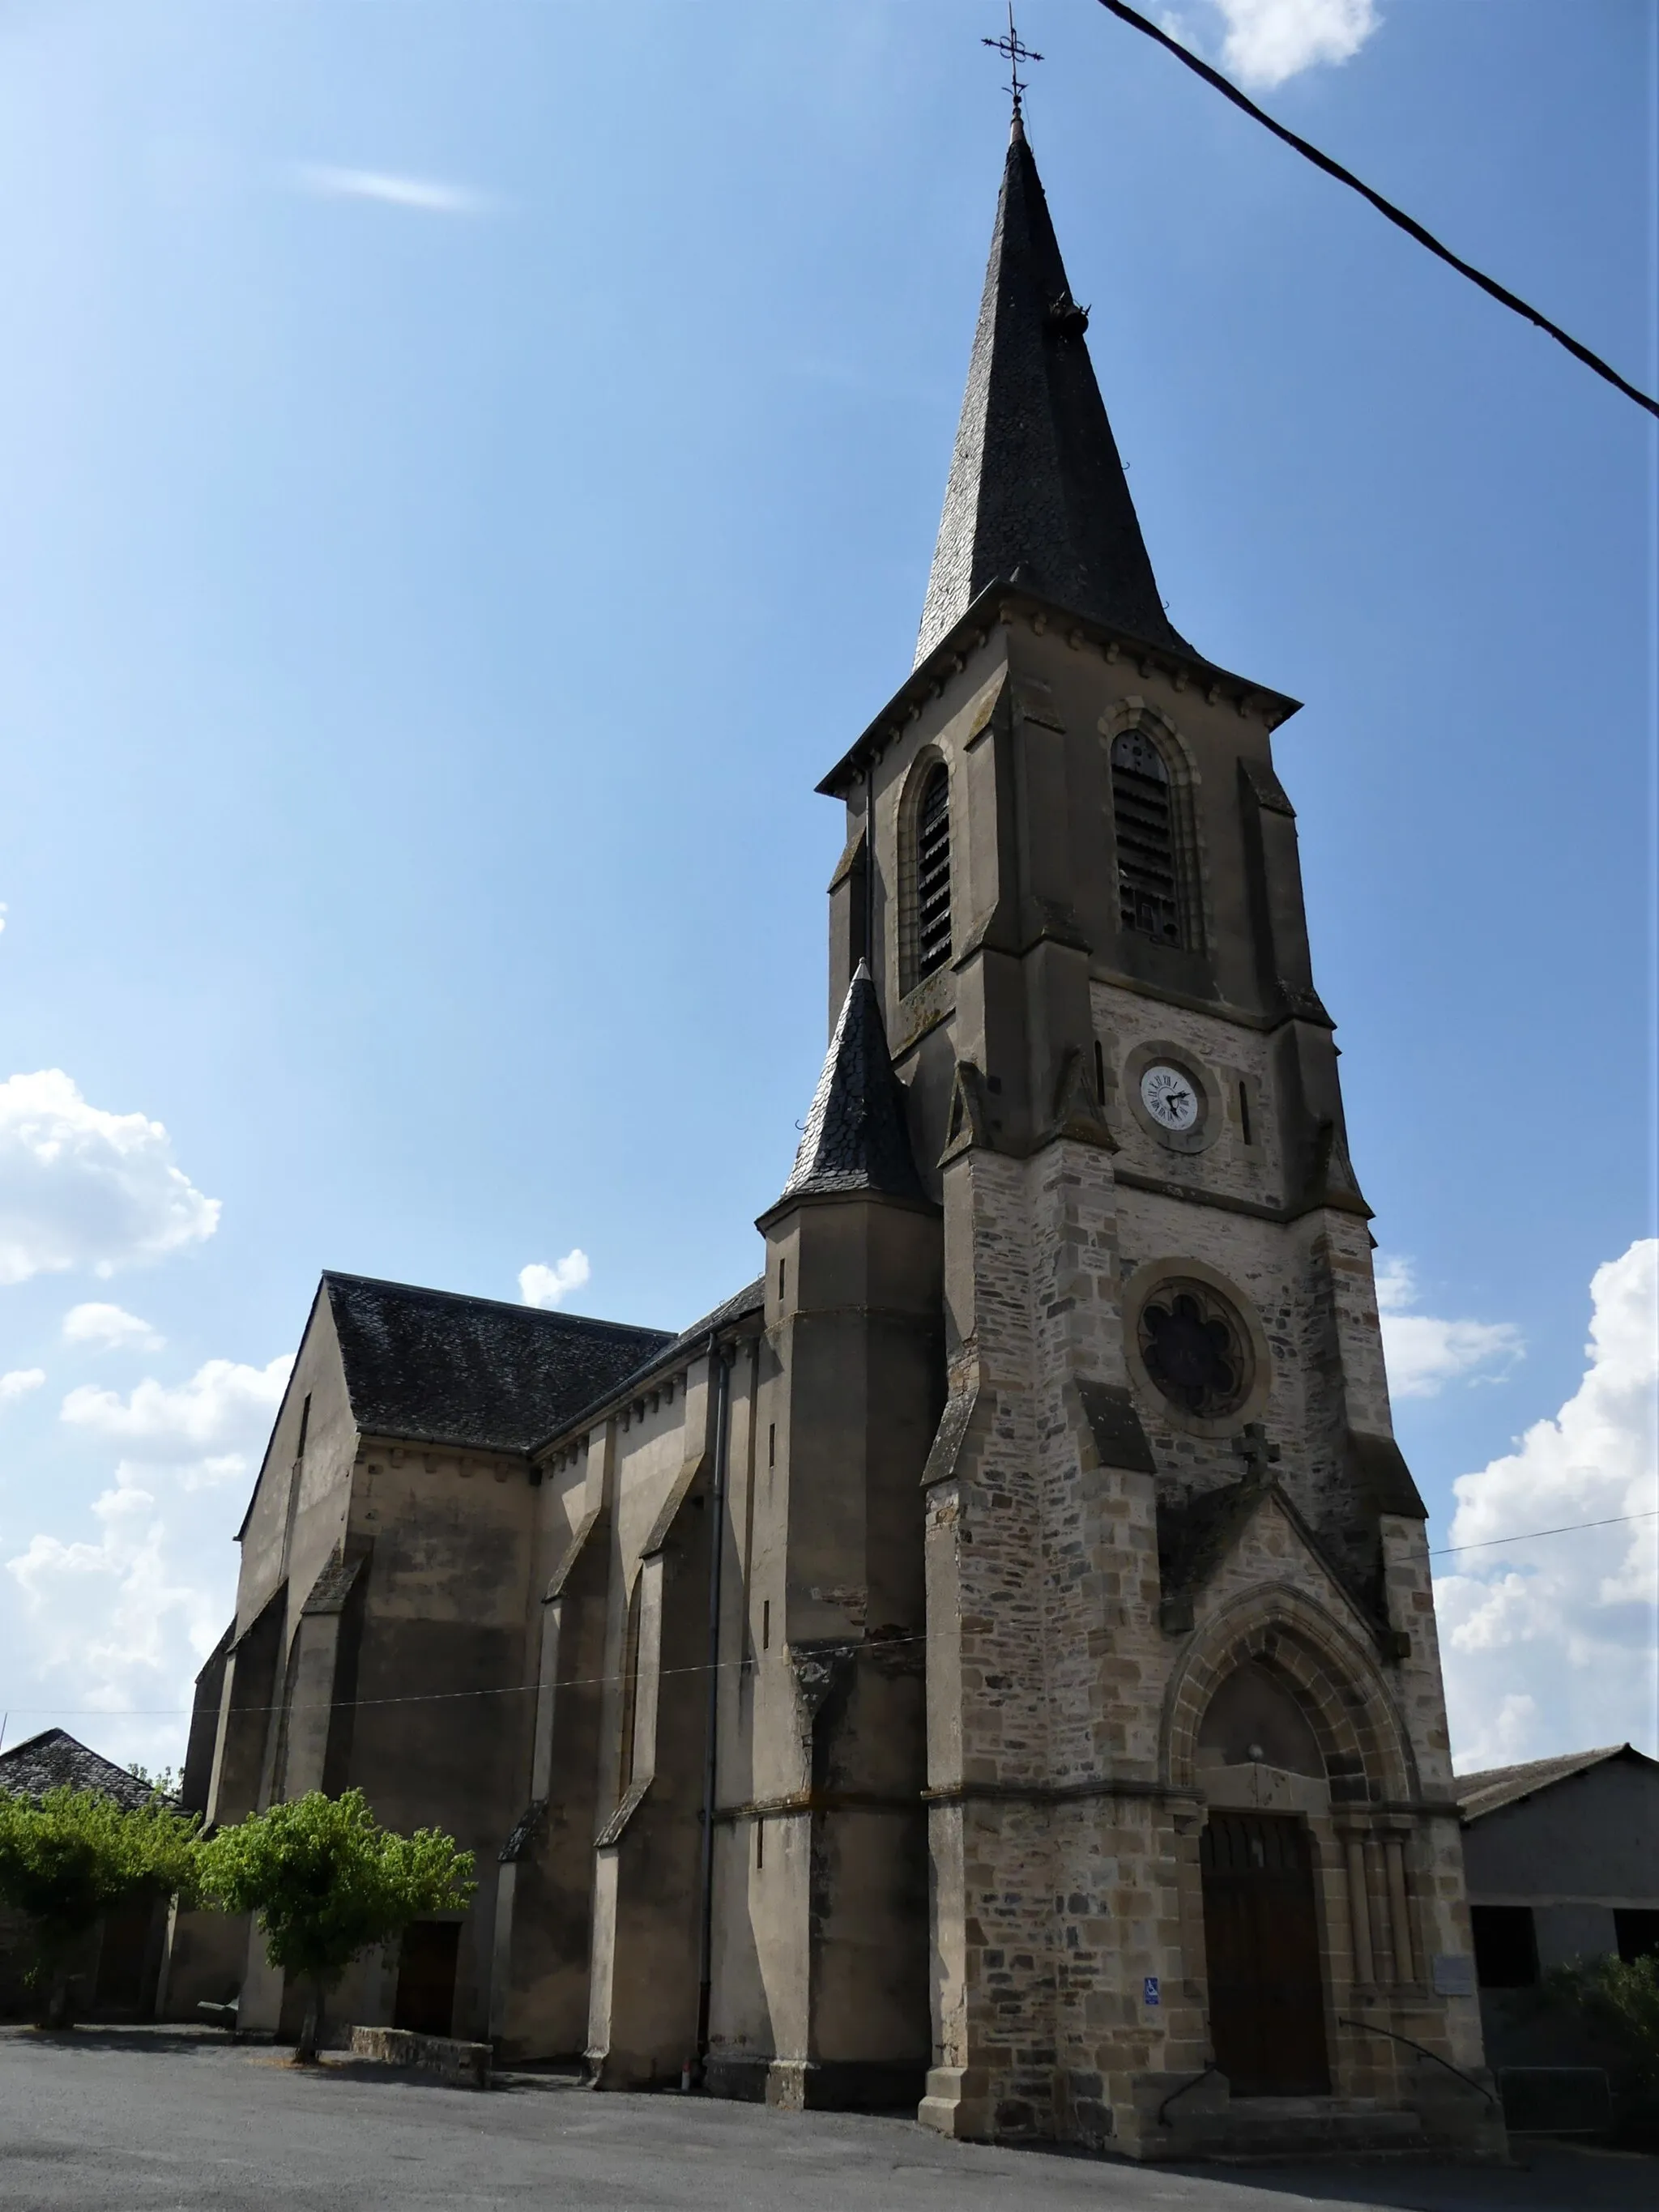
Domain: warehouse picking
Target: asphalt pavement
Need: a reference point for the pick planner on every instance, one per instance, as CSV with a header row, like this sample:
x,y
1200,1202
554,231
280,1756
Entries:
x,y
152,2120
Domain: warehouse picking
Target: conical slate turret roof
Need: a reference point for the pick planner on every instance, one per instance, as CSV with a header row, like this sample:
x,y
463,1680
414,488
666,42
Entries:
x,y
1036,494
856,1139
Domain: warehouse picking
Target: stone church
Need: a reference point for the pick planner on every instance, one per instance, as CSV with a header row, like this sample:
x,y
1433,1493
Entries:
x,y
988,1664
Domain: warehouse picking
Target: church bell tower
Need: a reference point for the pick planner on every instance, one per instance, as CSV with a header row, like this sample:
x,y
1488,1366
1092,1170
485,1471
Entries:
x,y
1192,1841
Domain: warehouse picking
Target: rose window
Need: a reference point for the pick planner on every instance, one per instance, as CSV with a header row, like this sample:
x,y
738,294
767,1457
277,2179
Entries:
x,y
1196,1349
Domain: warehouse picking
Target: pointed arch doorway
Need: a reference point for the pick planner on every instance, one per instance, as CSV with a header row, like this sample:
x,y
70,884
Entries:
x,y
1261,1936
1261,1910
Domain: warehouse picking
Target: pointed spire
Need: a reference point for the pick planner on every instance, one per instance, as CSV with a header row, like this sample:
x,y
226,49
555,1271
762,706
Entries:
x,y
1036,494
856,1139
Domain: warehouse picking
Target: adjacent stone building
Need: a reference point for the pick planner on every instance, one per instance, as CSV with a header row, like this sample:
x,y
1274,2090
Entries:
x,y
989,1663
1561,1859
115,1968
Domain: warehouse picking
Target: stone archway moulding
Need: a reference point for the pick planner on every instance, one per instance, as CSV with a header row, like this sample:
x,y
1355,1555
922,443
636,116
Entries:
x,y
1348,1703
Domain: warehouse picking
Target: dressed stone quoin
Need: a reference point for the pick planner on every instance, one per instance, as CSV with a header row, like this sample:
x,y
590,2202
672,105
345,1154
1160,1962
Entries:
x,y
988,1665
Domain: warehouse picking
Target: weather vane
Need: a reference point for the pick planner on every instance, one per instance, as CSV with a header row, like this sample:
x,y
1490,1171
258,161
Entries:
x,y
1014,53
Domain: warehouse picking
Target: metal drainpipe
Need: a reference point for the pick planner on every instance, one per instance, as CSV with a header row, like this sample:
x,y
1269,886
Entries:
x,y
869,866
721,1360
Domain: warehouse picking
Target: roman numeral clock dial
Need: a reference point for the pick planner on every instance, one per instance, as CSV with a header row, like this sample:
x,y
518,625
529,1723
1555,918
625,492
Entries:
x,y
1168,1097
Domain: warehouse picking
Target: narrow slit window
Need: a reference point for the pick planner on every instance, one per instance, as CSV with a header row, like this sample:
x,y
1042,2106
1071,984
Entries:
x,y
934,874
760,1843
1244,1111
1100,1074
771,1443
1142,807
783,1276
766,1625
630,1687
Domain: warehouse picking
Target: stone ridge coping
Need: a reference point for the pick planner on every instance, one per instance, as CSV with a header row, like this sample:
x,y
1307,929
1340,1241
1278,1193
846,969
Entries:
x,y
466,2064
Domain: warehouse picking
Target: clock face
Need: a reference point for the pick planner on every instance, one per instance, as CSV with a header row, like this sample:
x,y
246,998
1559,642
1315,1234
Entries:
x,y
1168,1097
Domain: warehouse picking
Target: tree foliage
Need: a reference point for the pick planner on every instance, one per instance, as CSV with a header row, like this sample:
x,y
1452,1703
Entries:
x,y
1621,1996
67,1857
1617,2001
326,1882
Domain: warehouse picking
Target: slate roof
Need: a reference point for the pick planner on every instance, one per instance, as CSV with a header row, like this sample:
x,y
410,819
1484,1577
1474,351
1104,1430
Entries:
x,y
856,1138
55,1759
750,1299
1494,1787
1037,495
438,1368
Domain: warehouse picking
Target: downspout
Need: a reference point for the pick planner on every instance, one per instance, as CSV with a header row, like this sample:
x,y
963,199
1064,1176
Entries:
x,y
721,1358
870,871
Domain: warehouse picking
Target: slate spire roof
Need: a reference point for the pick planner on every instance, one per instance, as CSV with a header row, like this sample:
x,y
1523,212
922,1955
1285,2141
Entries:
x,y
856,1139
1036,494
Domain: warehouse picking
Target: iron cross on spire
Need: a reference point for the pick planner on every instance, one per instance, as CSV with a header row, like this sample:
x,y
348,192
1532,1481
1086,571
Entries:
x,y
1013,52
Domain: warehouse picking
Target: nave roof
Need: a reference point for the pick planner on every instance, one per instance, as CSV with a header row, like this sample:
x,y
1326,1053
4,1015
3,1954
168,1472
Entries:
x,y
437,1367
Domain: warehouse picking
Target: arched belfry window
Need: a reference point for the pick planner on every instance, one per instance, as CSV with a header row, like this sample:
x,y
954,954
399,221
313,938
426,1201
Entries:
x,y
1145,809
932,872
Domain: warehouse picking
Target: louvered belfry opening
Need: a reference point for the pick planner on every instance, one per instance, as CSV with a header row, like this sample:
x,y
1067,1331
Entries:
x,y
1143,805
934,874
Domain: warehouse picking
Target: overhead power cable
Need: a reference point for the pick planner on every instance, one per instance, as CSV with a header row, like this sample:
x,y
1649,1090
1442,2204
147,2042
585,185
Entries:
x,y
1396,215
595,1682
1528,1537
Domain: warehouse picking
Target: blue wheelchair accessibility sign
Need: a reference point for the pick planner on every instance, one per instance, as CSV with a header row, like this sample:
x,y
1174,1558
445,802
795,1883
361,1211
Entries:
x,y
1150,1987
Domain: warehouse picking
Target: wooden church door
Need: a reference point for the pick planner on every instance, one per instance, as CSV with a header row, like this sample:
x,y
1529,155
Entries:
x,y
1261,1931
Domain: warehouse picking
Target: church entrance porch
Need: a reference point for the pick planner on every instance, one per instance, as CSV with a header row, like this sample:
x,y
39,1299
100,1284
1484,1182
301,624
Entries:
x,y
1261,1934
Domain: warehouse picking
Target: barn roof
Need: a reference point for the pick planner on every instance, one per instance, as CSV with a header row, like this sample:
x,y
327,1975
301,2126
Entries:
x,y
1494,1787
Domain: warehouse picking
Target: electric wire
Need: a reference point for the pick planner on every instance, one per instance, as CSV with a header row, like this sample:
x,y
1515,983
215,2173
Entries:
x,y
598,1681
1396,215
1529,1535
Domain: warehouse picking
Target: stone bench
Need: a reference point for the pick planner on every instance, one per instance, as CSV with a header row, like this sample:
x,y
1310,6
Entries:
x,y
466,2064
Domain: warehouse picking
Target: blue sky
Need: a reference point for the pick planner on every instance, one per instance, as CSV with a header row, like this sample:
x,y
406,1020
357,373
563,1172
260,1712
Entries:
x,y
471,465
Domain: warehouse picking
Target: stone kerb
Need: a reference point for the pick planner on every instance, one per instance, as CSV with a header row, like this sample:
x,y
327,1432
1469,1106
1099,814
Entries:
x,y
466,2064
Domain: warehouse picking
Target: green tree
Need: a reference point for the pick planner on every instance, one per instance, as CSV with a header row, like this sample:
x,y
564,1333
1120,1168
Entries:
x,y
327,1882
1618,1999
67,1857
165,1784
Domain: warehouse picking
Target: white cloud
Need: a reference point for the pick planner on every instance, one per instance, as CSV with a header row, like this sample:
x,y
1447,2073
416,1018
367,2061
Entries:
x,y
124,1620
109,1328
81,1188
423,195
19,1382
222,1405
539,1285
1550,1646
1267,41
1423,1352
119,1620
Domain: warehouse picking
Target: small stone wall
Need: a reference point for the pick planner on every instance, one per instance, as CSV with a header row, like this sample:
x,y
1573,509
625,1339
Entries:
x,y
466,2064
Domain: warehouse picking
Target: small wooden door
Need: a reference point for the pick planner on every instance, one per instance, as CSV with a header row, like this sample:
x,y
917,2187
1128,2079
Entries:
x,y
124,1954
426,1976
1261,1931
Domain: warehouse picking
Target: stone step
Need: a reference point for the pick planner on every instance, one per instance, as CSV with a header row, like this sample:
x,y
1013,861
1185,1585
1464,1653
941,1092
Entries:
x,y
1271,2127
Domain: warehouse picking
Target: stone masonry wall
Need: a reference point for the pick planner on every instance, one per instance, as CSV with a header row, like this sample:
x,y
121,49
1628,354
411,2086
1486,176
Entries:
x,y
1064,1829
